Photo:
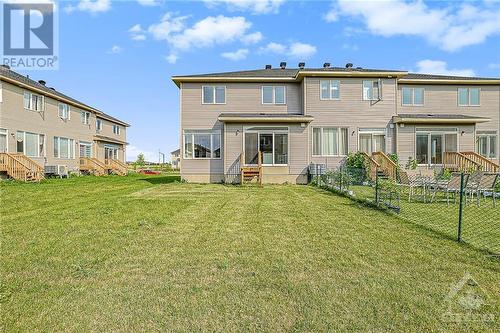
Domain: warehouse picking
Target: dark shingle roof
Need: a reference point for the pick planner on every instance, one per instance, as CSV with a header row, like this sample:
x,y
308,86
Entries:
x,y
437,116
419,76
8,73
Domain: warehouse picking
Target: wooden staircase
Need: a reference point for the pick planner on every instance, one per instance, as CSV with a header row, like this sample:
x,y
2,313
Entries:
x,y
387,167
93,166
485,164
250,173
116,166
21,167
457,161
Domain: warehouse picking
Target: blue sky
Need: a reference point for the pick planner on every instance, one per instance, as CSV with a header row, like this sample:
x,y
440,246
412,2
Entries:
x,y
119,55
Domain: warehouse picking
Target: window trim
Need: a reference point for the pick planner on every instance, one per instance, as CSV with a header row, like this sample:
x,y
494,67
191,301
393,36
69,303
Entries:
x,y
6,139
274,94
70,142
214,94
453,130
87,121
468,97
44,154
201,131
272,131
412,96
372,133
329,90
379,82
98,128
68,111
488,142
87,144
118,129
321,137
30,107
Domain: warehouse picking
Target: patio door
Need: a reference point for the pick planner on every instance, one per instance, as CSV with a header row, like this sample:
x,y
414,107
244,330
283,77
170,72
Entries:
x,y
371,140
3,140
431,145
272,142
111,153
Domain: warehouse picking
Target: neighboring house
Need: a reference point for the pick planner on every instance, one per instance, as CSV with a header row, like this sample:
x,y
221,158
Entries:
x,y
53,129
175,159
295,117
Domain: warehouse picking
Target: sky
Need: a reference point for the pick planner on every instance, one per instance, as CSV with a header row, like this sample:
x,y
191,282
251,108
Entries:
x,y
119,56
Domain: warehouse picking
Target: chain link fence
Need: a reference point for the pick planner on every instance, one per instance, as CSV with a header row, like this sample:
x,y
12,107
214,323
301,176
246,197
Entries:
x,y
461,206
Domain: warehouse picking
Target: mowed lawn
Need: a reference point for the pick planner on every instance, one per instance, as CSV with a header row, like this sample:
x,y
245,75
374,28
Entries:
x,y
142,253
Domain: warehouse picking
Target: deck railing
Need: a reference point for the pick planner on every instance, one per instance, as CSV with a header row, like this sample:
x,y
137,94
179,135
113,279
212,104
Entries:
x,y
459,162
116,166
371,165
486,164
20,167
93,165
387,166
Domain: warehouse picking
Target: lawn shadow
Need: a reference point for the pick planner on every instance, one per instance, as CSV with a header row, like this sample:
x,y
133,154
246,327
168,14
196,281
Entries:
x,y
161,180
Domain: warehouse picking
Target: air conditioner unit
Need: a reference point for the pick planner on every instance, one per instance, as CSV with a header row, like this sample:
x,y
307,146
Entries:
x,y
56,170
62,170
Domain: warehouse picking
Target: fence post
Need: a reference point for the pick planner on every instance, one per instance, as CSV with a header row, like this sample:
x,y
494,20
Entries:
x,y
376,185
340,178
461,207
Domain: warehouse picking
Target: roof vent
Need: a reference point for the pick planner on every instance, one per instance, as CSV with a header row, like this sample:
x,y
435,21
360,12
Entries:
x,y
348,65
42,82
269,66
282,65
326,65
302,65
6,66
52,88
359,67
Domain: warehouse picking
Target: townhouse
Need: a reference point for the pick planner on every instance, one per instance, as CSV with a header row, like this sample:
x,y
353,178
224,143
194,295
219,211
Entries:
x,y
283,119
53,131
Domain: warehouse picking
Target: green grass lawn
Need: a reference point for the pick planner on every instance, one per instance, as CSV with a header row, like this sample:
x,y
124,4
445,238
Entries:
x,y
143,253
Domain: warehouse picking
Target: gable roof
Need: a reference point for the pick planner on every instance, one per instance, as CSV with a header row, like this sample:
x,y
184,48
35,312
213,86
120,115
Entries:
x,y
9,75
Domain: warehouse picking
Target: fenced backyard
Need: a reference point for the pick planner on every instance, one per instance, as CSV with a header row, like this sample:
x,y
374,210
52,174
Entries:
x,y
461,206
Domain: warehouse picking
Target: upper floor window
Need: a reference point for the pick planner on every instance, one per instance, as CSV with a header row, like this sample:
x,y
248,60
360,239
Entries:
x,y
202,144
468,96
64,147
372,90
85,117
330,141
273,95
413,96
214,95
330,89
33,102
98,125
30,144
64,111
116,129
486,143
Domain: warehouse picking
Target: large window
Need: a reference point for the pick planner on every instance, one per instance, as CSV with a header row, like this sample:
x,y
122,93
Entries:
x,y
372,90
412,96
371,140
85,149
330,141
431,144
486,143
214,95
30,144
33,101
85,117
3,140
273,95
329,89
271,142
64,111
116,129
64,147
469,96
202,144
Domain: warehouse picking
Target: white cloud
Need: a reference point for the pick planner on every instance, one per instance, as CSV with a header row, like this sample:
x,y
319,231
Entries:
x,y
137,33
441,68
149,2
252,38
115,50
449,28
133,151
331,16
253,6
136,29
236,55
172,58
91,6
138,37
295,50
167,26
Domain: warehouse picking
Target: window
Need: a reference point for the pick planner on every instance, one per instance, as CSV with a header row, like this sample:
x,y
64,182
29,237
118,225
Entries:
x,y
202,144
64,147
30,144
413,96
116,129
431,144
3,140
468,96
214,95
98,125
486,143
85,149
85,117
329,89
273,95
271,142
372,90
371,140
64,111
33,102
330,141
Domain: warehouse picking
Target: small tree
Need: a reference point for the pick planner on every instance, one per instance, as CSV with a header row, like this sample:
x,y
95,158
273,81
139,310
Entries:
x,y
141,161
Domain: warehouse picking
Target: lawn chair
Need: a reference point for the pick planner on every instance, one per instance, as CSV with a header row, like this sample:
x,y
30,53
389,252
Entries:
x,y
487,184
454,186
472,185
408,180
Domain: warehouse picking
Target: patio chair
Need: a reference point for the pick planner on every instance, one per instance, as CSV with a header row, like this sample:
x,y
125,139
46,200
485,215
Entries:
x,y
453,186
472,185
408,179
487,184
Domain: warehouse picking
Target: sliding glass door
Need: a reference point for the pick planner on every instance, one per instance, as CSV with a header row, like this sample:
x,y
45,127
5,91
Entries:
x,y
272,142
431,146
371,140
